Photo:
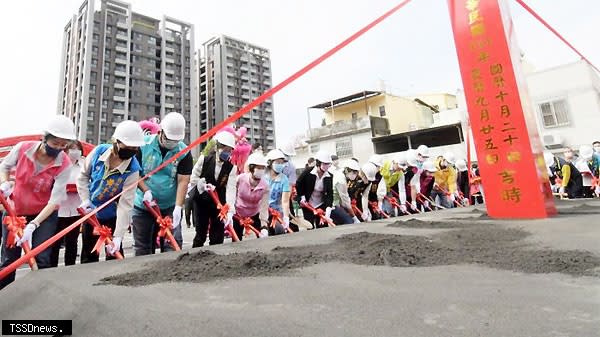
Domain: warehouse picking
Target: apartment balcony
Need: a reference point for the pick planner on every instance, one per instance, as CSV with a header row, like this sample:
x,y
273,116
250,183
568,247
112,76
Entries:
x,y
118,111
340,127
169,106
122,24
170,71
169,60
120,61
120,85
119,99
169,94
122,49
170,50
122,37
167,82
120,73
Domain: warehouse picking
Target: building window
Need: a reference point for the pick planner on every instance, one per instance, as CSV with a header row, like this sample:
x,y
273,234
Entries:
x,y
94,63
314,148
109,29
106,52
92,102
354,116
92,89
104,104
555,113
93,75
343,148
382,111
95,37
95,50
106,77
107,65
152,40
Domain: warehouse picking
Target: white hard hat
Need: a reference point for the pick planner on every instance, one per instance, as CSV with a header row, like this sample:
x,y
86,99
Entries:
x,y
323,157
423,150
288,149
61,126
461,165
225,138
548,158
370,170
586,152
129,133
429,166
173,125
351,164
449,157
257,159
401,159
275,154
411,158
376,160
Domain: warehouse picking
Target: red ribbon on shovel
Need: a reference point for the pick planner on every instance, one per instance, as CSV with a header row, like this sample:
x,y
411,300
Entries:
x,y
223,210
104,232
319,213
165,224
276,217
15,225
355,208
375,206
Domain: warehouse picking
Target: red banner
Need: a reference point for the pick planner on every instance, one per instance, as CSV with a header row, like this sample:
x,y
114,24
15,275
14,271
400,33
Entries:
x,y
504,131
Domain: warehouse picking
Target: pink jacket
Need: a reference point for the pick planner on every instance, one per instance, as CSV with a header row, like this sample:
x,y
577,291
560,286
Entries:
x,y
32,190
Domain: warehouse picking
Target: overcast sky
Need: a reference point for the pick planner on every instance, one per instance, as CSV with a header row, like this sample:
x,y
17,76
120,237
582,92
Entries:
x,y
412,51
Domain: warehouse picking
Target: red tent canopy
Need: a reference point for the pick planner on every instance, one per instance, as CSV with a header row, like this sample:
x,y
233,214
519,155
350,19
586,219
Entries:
x,y
6,144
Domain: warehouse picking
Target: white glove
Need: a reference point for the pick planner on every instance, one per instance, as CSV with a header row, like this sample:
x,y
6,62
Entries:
x,y
413,205
113,248
366,216
426,204
210,187
403,209
355,219
264,233
286,222
561,190
148,196
328,212
27,234
6,188
176,216
597,191
201,185
87,206
452,197
302,199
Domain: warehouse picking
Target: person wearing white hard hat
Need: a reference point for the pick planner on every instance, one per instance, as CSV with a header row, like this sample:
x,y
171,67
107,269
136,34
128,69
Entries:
x,y
214,172
280,191
289,170
252,199
585,165
445,181
109,170
422,154
67,211
357,184
427,180
315,186
392,172
377,188
342,213
412,180
166,188
462,178
39,186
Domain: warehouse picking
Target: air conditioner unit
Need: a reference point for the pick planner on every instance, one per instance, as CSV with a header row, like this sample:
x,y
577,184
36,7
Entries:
x,y
553,141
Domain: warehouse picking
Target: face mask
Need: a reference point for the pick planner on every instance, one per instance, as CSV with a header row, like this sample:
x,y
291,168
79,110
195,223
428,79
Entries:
x,y
124,153
325,167
258,173
224,156
50,151
169,144
278,168
74,155
351,175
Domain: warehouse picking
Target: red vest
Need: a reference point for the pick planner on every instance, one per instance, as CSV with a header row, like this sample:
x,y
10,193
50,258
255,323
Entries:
x,y
32,190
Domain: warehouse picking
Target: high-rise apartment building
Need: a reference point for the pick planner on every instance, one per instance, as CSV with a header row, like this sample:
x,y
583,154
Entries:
x,y
119,65
232,74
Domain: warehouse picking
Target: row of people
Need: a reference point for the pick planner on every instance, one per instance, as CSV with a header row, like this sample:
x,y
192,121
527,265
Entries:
x,y
575,176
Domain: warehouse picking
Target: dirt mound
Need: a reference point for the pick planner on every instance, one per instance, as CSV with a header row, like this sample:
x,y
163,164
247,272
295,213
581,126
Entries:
x,y
417,223
580,209
491,246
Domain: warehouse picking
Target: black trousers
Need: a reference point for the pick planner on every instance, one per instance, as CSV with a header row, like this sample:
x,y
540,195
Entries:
x,y
314,220
70,242
89,241
189,205
239,229
206,215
